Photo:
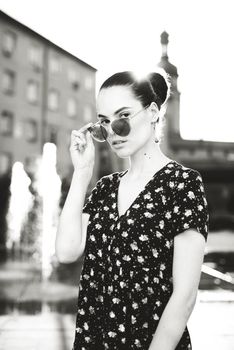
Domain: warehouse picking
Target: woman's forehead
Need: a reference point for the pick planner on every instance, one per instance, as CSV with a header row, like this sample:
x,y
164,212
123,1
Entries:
x,y
113,98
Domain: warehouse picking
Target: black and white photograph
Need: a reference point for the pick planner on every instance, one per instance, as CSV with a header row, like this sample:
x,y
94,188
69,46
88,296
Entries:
x,y
116,175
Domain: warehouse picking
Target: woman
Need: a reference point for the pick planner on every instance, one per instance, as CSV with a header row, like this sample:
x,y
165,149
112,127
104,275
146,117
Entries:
x,y
143,230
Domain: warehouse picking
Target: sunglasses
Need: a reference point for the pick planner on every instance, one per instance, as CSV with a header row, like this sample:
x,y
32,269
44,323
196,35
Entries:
x,y
120,126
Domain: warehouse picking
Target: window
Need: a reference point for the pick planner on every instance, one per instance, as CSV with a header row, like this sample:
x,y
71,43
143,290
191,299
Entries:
x,y
88,113
73,78
6,123
30,164
35,57
5,162
8,43
89,83
53,100
8,82
18,129
52,134
30,130
32,91
71,107
54,65
230,156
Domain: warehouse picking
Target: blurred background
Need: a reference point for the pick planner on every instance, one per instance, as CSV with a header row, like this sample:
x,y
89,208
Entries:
x,y
53,57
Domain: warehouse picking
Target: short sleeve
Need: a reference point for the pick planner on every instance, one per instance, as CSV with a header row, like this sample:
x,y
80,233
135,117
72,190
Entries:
x,y
95,198
190,208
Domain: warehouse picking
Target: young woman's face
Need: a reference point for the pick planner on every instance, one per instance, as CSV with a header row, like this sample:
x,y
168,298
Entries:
x,y
116,102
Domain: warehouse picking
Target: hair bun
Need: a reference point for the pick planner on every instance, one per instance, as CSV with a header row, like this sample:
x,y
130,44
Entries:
x,y
160,85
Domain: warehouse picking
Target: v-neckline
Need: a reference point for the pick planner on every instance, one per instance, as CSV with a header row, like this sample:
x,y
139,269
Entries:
x,y
121,174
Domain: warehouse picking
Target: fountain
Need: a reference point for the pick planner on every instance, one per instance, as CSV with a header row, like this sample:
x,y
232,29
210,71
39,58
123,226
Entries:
x,y
20,204
49,188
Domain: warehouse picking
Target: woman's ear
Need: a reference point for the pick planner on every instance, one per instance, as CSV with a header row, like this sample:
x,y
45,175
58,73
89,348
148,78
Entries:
x,y
154,112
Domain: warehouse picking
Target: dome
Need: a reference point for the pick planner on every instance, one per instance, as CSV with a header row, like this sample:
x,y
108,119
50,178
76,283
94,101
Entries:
x,y
168,67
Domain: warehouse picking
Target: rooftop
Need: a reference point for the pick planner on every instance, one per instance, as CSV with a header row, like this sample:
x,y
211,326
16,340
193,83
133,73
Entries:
x,y
9,19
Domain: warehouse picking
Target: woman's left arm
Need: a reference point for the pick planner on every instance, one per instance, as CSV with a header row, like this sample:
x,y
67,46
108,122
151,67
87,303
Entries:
x,y
187,262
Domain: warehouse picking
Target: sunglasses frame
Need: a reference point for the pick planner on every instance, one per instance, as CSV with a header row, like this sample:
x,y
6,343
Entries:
x,y
99,122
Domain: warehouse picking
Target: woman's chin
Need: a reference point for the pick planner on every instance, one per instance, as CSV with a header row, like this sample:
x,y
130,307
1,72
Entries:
x,y
122,153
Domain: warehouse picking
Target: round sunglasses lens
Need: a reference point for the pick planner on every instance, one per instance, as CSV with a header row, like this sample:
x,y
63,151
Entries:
x,y
121,127
99,133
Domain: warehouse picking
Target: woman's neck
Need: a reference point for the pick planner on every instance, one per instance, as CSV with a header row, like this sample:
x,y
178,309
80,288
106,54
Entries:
x,y
146,161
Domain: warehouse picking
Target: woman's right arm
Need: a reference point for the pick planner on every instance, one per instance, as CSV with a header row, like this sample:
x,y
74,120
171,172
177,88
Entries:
x,y
72,226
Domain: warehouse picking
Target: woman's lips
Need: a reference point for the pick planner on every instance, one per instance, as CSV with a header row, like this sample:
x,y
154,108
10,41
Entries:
x,y
118,144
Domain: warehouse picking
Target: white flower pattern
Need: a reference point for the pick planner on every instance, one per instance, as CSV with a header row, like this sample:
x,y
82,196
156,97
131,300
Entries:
x,y
126,279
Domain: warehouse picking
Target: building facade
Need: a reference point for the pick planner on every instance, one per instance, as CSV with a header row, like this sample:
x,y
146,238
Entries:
x,y
214,160
45,93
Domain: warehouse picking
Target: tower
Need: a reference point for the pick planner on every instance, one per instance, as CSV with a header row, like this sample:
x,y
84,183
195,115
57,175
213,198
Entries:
x,y
172,128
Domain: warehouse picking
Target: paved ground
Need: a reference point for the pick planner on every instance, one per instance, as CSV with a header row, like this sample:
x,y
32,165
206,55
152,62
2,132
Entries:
x,y
211,324
49,331
211,327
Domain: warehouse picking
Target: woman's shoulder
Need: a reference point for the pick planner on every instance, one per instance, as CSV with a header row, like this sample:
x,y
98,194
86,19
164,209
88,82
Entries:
x,y
184,172
186,178
107,180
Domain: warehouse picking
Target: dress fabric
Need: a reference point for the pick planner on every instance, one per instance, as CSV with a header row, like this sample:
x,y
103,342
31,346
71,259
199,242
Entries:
x,y
126,279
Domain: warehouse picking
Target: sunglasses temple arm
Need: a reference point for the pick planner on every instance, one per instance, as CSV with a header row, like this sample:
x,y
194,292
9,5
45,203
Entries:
x,y
89,128
138,112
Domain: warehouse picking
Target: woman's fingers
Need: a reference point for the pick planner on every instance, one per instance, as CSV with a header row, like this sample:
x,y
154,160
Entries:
x,y
82,147
81,133
79,137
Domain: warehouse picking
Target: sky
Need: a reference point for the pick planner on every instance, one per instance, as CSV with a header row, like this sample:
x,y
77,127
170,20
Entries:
x,y
125,34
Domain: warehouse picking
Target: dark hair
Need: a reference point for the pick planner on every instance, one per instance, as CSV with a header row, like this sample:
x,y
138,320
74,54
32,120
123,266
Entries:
x,y
154,87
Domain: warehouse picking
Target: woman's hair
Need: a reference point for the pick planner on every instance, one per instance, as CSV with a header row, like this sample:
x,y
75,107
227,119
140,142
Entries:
x,y
154,87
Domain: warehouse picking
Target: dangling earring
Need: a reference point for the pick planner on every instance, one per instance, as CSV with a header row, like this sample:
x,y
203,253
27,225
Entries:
x,y
154,126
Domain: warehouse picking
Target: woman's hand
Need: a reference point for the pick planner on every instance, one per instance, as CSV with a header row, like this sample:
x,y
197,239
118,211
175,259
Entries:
x,y
82,149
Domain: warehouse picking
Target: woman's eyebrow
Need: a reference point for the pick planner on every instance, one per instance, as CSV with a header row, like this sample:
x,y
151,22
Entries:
x,y
116,112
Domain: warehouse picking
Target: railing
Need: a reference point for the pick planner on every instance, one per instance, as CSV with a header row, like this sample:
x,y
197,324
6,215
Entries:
x,y
217,274
22,253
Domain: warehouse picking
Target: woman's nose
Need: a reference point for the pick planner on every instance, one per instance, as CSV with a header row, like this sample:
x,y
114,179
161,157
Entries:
x,y
110,130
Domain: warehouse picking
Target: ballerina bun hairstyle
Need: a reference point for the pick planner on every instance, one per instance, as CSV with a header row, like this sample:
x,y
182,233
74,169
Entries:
x,y
153,87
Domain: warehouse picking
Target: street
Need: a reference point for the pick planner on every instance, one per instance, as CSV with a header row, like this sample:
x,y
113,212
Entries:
x,y
211,326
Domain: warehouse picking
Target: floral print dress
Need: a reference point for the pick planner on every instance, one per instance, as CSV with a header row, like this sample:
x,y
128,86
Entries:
x,y
126,279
